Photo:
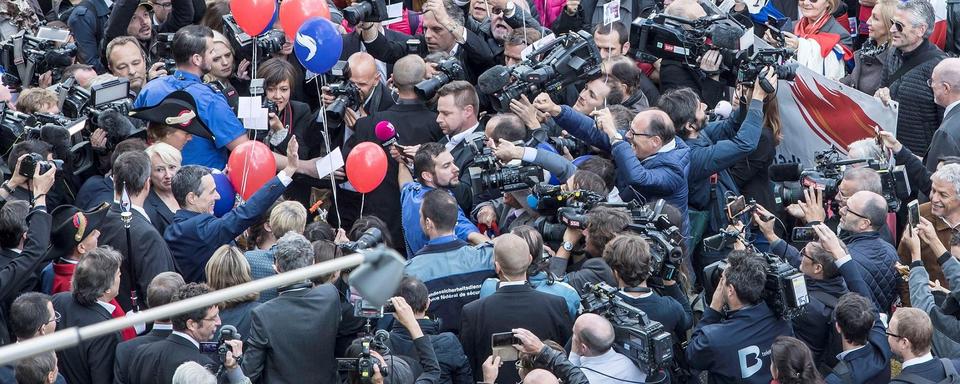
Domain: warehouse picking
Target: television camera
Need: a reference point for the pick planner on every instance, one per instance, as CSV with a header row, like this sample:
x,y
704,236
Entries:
x,y
785,291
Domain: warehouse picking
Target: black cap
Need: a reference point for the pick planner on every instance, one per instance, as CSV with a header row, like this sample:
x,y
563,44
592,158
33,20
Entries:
x,y
177,110
71,225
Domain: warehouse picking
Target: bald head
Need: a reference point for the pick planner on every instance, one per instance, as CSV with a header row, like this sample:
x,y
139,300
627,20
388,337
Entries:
x,y
595,333
540,376
945,82
688,9
512,255
408,71
363,72
871,205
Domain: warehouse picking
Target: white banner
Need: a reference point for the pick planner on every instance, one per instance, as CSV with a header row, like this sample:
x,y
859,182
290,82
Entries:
x,y
817,113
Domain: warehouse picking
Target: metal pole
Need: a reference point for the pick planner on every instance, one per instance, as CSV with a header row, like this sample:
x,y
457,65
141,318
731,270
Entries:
x,y
70,337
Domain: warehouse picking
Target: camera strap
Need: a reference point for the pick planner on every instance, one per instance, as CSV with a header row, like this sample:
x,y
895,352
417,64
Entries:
x,y
636,289
914,61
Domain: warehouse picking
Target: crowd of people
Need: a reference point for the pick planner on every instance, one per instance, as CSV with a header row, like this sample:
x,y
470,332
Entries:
x,y
643,160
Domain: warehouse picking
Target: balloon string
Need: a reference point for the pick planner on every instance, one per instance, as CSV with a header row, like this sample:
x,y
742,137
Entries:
x,y
363,199
244,174
326,141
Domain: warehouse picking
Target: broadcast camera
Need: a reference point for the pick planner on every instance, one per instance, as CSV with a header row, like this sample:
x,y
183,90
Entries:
x,y
346,93
268,43
666,37
643,341
791,179
163,49
78,103
362,365
785,291
27,56
365,11
555,207
575,146
752,68
566,60
369,239
448,70
487,175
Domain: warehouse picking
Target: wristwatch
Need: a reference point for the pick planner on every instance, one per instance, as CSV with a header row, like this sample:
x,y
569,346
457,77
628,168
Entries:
x,y
567,246
615,139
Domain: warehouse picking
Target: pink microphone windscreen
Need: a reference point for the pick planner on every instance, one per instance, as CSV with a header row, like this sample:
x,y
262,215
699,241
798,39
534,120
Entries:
x,y
385,131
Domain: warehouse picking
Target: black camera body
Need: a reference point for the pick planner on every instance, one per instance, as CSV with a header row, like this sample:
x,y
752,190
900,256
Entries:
x,y
753,67
486,175
365,11
271,107
785,290
575,146
27,56
346,93
674,38
169,65
643,341
227,332
268,43
363,365
33,161
568,59
369,239
448,70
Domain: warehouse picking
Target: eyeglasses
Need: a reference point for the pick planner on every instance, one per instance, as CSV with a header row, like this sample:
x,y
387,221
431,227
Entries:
x,y
891,334
897,25
163,5
847,208
214,318
630,134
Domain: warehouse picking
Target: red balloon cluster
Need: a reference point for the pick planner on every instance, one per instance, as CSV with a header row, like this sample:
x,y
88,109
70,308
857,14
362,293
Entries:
x,y
294,12
254,16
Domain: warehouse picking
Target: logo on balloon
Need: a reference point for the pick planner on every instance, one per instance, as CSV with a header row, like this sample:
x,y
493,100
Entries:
x,y
309,43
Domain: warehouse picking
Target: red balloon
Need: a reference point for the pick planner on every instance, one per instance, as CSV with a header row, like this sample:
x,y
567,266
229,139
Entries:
x,y
251,165
366,166
253,16
294,12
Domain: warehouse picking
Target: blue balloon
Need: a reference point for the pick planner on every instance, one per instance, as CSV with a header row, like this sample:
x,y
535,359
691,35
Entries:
x,y
269,26
228,196
318,45
577,162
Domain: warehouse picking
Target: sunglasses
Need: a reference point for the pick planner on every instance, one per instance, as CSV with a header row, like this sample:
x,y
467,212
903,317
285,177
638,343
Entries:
x,y
898,25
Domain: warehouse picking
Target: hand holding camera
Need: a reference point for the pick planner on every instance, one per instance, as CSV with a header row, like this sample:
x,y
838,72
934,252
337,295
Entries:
x,y
928,234
234,352
505,151
766,226
829,241
404,314
717,302
158,69
769,75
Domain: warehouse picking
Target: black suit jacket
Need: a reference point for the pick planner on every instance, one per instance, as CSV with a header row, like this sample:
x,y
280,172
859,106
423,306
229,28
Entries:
x,y
415,124
16,273
512,306
155,363
146,257
475,54
91,362
160,216
125,350
932,370
292,337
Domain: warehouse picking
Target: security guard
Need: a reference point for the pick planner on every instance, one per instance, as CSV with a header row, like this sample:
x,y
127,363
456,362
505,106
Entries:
x,y
192,50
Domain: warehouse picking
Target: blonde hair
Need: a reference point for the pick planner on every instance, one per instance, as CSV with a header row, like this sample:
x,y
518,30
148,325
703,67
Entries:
x,y
885,10
166,152
226,268
34,100
287,216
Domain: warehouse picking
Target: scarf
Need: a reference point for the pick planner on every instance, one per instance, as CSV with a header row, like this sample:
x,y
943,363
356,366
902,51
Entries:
x,y
827,41
63,281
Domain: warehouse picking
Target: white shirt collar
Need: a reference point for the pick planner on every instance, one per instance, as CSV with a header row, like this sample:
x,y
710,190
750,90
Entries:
x,y
506,283
69,261
163,327
950,107
456,139
188,337
841,355
109,307
17,250
918,360
665,148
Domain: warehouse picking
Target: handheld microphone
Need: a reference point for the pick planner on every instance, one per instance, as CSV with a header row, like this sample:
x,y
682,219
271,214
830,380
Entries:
x,y
386,133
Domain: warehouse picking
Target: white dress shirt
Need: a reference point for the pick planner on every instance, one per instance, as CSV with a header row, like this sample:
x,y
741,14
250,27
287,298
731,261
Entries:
x,y
608,368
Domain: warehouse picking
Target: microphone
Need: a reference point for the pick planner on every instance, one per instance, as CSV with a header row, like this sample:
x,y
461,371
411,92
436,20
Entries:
x,y
493,80
726,37
785,172
723,108
117,126
386,133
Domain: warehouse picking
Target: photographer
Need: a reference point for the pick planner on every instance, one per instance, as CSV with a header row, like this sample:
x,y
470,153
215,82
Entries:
x,y
544,359
866,352
922,288
495,20
592,351
650,157
602,225
628,255
732,341
943,211
20,187
134,18
157,362
127,59
289,118
374,96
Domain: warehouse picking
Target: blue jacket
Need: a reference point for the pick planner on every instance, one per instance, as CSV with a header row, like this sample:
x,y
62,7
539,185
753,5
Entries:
x,y
454,365
193,236
877,260
213,110
411,196
736,349
662,176
453,271
717,148
539,282
871,363
95,191
88,23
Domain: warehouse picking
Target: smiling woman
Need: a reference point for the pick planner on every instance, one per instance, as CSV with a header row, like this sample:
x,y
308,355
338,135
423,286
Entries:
x,y
821,43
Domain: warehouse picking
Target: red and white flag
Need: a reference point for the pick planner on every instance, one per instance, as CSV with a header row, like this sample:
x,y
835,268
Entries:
x,y
817,113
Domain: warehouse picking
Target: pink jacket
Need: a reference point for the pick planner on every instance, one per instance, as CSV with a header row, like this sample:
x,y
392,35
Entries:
x,y
549,10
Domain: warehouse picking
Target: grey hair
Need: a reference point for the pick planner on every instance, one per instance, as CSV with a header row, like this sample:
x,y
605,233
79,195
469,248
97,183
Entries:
x,y
866,179
293,251
949,173
865,149
186,180
193,373
921,11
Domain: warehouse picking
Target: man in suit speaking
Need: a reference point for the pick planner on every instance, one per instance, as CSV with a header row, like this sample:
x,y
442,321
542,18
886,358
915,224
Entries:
x,y
945,83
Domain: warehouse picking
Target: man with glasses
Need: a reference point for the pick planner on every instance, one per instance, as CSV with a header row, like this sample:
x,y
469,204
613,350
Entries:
x,y
157,362
945,84
911,336
812,210
905,74
943,211
31,315
861,218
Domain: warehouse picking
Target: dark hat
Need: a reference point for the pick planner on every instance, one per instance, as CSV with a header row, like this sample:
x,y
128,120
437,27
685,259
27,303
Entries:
x,y
71,225
177,110
147,4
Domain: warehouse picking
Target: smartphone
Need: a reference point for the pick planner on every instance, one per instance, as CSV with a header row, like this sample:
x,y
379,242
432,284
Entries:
x,y
736,206
502,344
913,208
804,235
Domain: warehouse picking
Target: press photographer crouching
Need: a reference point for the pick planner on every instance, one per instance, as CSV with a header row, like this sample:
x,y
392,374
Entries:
x,y
587,267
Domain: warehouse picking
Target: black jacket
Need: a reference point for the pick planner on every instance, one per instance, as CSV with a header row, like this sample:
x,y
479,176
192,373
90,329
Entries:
x,y
144,258
932,370
815,325
454,365
555,362
14,274
90,362
126,349
953,27
752,174
181,15
474,54
155,363
291,337
919,116
512,306
160,215
591,270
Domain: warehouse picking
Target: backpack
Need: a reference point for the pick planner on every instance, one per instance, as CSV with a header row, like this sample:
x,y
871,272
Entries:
x,y
833,346
952,376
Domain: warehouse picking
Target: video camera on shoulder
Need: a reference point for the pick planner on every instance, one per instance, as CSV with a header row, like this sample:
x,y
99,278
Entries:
x,y
645,342
367,310
448,70
27,56
362,366
369,239
785,291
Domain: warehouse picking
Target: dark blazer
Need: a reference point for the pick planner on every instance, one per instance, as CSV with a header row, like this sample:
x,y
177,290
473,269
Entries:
x,y
95,191
415,124
512,306
125,350
932,370
145,257
291,337
91,362
194,236
946,140
475,54
16,273
157,362
160,216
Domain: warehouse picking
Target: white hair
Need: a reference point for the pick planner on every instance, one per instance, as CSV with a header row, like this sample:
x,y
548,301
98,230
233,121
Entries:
x,y
193,373
949,173
864,149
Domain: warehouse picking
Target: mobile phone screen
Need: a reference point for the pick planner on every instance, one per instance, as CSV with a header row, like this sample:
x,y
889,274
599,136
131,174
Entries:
x,y
804,234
